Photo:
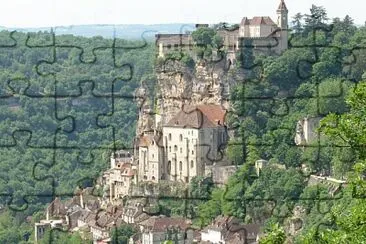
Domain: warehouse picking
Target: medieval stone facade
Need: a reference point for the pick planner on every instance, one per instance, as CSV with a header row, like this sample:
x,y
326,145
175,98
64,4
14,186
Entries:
x,y
188,142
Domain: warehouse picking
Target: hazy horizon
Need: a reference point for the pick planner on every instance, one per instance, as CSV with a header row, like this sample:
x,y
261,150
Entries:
x,y
50,13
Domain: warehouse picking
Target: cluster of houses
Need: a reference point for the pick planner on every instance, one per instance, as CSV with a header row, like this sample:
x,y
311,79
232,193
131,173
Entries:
x,y
93,222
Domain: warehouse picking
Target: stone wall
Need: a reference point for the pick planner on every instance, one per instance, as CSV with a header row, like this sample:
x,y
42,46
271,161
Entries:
x,y
220,174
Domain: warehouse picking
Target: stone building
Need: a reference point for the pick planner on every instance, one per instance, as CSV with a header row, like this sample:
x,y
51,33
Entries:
x,y
151,157
188,142
261,30
229,230
44,225
121,175
158,229
306,131
192,139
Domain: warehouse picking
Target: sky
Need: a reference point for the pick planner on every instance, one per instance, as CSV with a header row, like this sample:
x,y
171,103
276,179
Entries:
x,y
51,13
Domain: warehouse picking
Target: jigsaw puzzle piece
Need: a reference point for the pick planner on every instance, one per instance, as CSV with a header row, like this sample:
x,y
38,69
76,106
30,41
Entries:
x,y
13,70
7,39
76,131
35,115
21,156
83,171
102,72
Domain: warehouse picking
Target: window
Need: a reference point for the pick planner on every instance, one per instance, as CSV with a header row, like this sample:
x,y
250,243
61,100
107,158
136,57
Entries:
x,y
169,46
169,167
181,150
170,149
192,164
180,137
192,152
180,165
152,155
170,137
175,148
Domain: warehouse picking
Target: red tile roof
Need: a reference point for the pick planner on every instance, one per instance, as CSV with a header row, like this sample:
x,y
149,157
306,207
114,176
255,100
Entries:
x,y
215,113
201,116
161,224
262,20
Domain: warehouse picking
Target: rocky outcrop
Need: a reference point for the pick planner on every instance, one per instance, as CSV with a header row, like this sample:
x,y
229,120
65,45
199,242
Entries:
x,y
179,85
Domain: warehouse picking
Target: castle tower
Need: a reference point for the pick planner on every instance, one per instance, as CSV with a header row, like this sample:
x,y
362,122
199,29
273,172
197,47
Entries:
x,y
282,22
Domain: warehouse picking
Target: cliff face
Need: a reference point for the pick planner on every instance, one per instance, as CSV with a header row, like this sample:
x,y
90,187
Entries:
x,y
178,85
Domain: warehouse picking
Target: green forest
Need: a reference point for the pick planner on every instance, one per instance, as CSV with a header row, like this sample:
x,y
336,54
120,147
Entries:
x,y
81,72
322,74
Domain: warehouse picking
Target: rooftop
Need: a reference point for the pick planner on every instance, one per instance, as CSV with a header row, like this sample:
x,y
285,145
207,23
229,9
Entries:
x,y
282,6
160,224
201,116
258,20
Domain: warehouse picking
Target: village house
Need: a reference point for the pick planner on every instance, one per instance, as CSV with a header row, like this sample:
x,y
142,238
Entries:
x,y
158,229
228,230
44,225
120,176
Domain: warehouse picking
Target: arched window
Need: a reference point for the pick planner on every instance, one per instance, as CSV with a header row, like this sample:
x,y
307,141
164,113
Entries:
x,y
175,148
192,164
180,137
153,178
170,137
169,167
180,165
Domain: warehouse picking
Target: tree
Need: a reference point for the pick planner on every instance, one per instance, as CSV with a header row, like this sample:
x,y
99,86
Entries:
x,y
275,235
206,39
121,234
316,19
349,215
297,25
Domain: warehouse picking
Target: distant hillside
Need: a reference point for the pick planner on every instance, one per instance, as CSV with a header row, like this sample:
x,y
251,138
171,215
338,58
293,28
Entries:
x,y
107,31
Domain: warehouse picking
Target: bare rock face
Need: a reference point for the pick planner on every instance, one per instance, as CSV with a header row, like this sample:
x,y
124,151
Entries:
x,y
179,85
295,223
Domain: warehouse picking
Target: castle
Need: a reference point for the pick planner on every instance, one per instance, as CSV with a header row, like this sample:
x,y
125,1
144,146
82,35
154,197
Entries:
x,y
262,32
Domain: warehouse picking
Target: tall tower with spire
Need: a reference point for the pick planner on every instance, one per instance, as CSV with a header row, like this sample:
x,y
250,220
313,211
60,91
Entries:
x,y
282,23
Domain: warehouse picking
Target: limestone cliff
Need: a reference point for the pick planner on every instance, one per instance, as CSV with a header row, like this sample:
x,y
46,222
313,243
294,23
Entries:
x,y
178,85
